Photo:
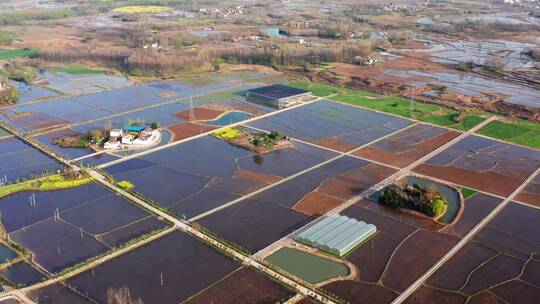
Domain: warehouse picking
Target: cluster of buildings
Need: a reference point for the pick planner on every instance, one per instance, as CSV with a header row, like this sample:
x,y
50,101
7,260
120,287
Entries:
x,y
132,137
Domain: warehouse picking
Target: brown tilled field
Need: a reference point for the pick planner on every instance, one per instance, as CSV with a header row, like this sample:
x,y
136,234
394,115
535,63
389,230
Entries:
x,y
483,164
244,286
408,146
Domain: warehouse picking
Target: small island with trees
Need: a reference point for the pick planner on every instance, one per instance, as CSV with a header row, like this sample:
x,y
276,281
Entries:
x,y
93,139
425,200
260,142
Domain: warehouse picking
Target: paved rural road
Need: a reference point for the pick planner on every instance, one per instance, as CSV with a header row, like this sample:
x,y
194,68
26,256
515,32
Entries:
x,y
286,240
178,224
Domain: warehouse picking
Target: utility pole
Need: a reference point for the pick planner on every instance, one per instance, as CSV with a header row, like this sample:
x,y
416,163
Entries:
x,y
191,113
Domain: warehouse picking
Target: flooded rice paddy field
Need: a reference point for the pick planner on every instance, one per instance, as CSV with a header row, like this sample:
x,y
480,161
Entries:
x,y
185,265
6,253
262,219
83,108
501,263
470,85
332,125
509,53
406,147
90,221
483,164
254,225
244,285
204,173
20,160
30,93
322,189
531,193
403,249
71,84
22,274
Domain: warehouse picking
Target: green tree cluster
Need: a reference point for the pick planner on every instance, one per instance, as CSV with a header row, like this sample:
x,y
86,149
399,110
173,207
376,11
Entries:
x,y
426,200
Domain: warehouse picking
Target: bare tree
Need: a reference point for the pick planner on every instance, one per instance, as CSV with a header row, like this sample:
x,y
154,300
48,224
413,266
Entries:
x,y
121,296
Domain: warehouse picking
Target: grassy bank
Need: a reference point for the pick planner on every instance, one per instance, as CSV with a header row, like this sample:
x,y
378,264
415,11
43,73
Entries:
x,y
521,132
9,54
48,183
142,9
78,70
430,113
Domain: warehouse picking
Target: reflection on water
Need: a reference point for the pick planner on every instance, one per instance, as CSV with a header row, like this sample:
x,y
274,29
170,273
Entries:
x,y
452,197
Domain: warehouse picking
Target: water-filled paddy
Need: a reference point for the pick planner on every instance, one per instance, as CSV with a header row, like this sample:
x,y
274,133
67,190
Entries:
x,y
497,263
407,146
324,188
89,221
331,124
206,168
6,253
82,108
185,265
254,225
483,164
19,160
312,268
22,274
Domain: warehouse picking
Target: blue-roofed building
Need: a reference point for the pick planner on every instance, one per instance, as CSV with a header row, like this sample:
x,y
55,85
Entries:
x,y
133,128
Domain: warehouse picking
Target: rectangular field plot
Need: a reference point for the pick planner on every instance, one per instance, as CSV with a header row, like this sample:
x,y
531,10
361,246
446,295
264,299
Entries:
x,y
243,286
30,93
332,125
531,193
266,217
483,164
500,265
201,174
89,221
22,274
322,189
20,160
57,293
254,225
168,270
83,108
405,246
407,146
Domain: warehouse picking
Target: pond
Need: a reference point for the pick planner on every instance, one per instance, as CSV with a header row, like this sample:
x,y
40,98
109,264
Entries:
x,y
312,268
229,118
451,195
271,31
6,253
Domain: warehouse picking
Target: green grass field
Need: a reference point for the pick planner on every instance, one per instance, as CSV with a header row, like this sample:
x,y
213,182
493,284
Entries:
x,y
521,132
430,113
19,53
78,70
466,192
3,132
